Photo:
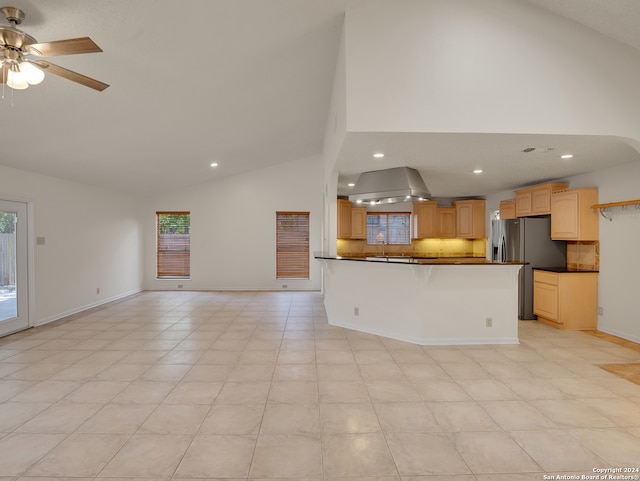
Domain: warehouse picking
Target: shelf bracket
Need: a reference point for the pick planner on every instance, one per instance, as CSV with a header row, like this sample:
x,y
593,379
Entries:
x,y
603,208
603,211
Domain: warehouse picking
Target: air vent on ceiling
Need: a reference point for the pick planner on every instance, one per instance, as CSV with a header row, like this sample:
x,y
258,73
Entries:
x,y
538,149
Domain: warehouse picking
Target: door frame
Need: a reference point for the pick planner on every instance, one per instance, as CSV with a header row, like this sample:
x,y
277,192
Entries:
x,y
31,255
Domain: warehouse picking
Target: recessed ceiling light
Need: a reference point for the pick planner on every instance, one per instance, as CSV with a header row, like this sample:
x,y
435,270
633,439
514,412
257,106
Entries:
x,y
566,156
214,164
378,155
477,171
359,201
351,184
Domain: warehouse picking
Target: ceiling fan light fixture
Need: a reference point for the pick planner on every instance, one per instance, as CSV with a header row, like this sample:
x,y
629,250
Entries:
x,y
16,46
16,80
32,74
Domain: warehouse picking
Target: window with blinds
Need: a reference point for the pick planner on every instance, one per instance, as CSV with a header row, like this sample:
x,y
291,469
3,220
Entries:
x,y
173,244
292,245
389,228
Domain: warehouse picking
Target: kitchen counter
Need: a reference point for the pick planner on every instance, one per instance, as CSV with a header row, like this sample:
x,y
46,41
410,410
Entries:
x,y
561,270
418,260
424,301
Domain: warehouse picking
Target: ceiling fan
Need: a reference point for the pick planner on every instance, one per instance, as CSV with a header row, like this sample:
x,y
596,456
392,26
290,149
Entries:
x,y
21,55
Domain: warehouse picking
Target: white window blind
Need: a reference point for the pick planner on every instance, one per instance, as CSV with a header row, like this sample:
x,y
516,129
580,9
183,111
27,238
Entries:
x,y
173,244
389,228
292,245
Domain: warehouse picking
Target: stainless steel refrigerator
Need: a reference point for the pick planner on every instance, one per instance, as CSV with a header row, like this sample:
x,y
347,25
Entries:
x,y
527,239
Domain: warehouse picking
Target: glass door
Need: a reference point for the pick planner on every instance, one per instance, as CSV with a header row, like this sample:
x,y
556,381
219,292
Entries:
x,y
14,304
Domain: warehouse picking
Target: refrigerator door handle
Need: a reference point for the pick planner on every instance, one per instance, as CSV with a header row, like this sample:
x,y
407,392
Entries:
x,y
502,249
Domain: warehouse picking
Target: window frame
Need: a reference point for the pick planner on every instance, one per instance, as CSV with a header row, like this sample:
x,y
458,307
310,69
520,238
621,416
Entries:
x,y
291,261
374,242
167,267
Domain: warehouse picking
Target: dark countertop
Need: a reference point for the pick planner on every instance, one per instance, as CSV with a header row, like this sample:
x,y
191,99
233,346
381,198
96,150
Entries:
x,y
561,270
468,261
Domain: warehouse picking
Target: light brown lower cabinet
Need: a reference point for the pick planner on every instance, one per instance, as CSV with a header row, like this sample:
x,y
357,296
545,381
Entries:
x,y
567,300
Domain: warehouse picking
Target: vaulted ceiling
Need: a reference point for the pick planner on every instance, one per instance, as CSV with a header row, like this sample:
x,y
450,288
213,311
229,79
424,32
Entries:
x,y
244,83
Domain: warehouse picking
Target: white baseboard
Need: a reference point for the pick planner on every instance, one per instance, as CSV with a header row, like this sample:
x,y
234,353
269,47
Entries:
x,y
46,320
617,333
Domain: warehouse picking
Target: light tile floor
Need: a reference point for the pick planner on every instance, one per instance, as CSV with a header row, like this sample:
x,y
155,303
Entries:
x,y
257,386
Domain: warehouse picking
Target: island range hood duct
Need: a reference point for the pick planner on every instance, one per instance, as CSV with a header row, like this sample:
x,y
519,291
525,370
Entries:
x,y
399,184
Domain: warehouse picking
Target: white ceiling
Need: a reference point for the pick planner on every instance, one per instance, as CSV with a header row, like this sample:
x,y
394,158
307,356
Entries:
x,y
447,161
245,83
617,19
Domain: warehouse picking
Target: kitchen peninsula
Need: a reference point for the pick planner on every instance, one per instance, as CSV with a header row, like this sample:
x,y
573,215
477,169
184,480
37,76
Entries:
x,y
427,301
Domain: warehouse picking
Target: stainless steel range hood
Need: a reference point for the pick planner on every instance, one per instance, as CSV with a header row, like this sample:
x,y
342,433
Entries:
x,y
389,185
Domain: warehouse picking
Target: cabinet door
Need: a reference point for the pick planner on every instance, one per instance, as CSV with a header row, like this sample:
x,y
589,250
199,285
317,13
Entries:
x,y
541,200
425,217
578,300
447,222
523,203
572,215
545,300
508,209
344,219
464,219
564,215
358,222
470,218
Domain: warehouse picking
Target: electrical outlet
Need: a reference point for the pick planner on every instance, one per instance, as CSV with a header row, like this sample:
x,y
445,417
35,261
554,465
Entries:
x,y
489,322
97,290
601,311
284,286
356,311
179,286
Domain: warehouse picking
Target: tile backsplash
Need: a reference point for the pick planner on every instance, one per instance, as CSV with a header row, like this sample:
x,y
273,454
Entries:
x,y
583,255
419,247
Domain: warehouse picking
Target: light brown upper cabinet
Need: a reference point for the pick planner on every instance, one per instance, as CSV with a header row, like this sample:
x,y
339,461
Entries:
x,y
470,218
425,219
358,222
446,223
344,219
572,217
508,209
536,200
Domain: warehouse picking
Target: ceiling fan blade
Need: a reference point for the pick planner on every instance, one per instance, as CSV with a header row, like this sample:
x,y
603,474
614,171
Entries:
x,y
70,46
70,75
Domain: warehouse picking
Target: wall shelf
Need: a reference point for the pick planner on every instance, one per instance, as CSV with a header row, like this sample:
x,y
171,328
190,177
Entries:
x,y
603,208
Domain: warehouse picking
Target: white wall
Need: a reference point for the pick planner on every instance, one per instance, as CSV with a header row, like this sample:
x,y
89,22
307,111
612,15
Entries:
x,y
93,239
333,139
233,227
485,66
619,247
